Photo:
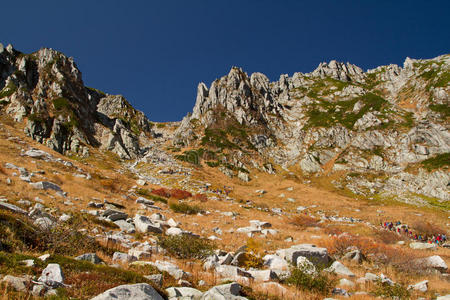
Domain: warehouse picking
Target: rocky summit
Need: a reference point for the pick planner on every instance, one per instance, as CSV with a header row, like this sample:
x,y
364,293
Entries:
x,y
325,185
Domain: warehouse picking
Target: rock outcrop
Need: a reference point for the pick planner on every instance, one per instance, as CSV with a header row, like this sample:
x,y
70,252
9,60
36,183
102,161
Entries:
x,y
390,122
45,90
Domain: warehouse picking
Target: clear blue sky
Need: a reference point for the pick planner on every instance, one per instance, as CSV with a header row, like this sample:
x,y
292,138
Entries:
x,y
156,52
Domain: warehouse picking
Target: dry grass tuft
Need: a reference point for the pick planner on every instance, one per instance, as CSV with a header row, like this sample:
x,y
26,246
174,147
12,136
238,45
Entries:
x,y
428,229
305,221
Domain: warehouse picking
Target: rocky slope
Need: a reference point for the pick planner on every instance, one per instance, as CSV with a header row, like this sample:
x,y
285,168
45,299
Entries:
x,y
45,90
386,128
175,222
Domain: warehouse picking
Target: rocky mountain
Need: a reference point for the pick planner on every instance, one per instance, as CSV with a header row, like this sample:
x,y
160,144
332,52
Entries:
x,y
383,131
45,90
237,200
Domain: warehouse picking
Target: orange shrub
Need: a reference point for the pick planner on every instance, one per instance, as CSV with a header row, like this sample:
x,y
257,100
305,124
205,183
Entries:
x,y
162,192
179,194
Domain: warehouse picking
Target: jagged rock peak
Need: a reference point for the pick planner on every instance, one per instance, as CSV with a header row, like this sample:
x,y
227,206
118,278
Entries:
x,y
338,70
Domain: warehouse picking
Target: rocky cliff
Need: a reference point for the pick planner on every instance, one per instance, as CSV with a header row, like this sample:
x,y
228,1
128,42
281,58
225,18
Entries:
x,y
384,131
45,90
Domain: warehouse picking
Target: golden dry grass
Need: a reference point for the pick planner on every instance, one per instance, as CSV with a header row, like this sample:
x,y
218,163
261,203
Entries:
x,y
106,183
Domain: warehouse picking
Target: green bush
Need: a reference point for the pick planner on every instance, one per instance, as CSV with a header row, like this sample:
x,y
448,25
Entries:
x,y
443,109
319,283
436,162
185,208
61,104
187,246
395,291
8,90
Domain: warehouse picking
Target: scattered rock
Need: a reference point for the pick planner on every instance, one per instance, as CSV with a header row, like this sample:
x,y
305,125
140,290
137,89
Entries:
x,y
52,276
138,291
184,293
90,257
340,269
420,286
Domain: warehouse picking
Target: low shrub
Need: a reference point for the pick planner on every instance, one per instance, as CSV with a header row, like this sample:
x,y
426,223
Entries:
x,y
179,194
396,291
162,192
187,246
319,283
148,194
185,208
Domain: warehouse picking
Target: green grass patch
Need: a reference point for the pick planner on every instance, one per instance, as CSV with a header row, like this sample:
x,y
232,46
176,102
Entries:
x,y
437,162
187,246
327,114
442,109
320,283
185,208
395,291
8,90
147,194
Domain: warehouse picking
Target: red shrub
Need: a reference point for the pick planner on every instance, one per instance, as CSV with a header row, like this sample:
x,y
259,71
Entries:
x,y
162,192
179,194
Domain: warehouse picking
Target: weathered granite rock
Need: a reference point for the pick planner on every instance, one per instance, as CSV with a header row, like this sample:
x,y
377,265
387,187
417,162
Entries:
x,y
138,291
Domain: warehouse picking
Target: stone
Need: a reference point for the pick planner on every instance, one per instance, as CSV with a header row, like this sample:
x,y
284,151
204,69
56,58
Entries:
x,y
44,223
170,268
144,201
114,215
226,259
155,278
90,257
263,275
229,291
432,262
338,268
422,246
143,224
64,218
243,176
343,282
125,226
138,291
172,223
371,277
275,262
141,182
20,284
186,293
174,231
28,262
123,257
314,254
13,208
354,255
260,224
306,266
44,257
46,185
52,276
420,286
233,272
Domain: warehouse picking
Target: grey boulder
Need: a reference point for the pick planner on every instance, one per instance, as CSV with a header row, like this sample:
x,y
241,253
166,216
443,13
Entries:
x,y
138,291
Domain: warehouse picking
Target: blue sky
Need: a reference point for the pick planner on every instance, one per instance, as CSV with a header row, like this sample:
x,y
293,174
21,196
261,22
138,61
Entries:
x,y
156,52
